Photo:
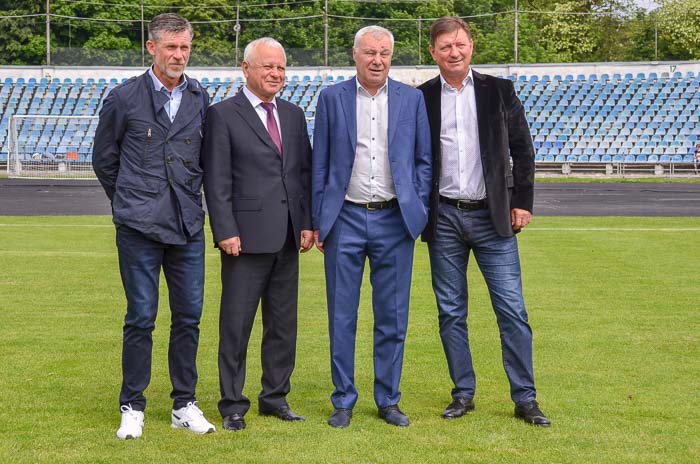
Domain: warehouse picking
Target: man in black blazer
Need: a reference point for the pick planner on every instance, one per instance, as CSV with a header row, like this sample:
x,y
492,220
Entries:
x,y
483,188
257,159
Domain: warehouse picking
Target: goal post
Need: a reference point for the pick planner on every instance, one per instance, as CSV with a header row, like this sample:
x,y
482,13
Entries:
x,y
51,146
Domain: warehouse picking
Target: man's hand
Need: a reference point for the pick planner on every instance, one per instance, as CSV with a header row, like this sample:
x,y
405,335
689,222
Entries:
x,y
307,240
231,245
319,245
519,218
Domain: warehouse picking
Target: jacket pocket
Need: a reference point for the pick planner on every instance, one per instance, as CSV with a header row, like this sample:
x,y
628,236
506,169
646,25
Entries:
x,y
137,184
247,204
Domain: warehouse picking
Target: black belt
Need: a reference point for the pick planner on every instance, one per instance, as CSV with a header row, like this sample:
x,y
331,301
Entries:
x,y
376,205
465,205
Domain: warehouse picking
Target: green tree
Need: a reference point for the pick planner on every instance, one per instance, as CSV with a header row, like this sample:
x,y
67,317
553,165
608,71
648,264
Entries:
x,y
23,40
679,26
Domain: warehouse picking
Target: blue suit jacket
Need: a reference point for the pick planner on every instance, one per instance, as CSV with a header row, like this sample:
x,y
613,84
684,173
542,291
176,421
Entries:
x,y
335,140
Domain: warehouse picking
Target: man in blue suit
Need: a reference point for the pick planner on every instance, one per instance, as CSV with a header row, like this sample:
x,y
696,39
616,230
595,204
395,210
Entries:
x,y
371,180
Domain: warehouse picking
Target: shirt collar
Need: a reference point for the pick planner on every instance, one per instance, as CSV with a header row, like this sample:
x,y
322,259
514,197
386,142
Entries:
x,y
467,79
159,85
254,99
382,89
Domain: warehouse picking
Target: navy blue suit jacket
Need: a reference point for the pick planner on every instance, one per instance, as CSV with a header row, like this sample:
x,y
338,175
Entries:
x,y
149,167
335,140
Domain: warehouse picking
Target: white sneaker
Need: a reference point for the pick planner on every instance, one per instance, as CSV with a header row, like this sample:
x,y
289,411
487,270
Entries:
x,y
191,418
132,423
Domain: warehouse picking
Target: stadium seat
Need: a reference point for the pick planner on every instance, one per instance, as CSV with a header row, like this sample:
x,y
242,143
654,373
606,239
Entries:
x,y
606,117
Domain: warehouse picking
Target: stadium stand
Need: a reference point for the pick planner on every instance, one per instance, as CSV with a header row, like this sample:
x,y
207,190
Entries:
x,y
595,118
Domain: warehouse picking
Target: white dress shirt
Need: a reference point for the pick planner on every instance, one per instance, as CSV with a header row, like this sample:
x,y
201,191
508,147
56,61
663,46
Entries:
x,y
371,178
174,97
461,171
262,113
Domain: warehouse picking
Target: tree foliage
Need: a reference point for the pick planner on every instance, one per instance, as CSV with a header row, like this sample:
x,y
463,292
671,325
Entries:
x,y
679,24
99,32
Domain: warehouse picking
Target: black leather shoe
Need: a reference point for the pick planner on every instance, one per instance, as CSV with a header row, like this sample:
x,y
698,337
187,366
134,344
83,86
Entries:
x,y
393,415
530,413
340,418
283,412
234,422
457,408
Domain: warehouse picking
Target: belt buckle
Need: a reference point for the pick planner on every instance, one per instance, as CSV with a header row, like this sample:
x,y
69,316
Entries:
x,y
463,205
371,208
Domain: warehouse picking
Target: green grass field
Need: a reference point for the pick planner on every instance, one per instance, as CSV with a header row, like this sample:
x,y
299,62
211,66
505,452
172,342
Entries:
x,y
613,303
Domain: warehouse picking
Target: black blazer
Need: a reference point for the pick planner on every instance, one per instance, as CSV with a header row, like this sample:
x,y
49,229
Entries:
x,y
503,134
251,191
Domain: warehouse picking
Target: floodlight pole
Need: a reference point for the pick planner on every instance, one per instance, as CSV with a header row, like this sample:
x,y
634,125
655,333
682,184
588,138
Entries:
x,y
143,45
656,37
515,35
48,32
325,34
420,44
237,28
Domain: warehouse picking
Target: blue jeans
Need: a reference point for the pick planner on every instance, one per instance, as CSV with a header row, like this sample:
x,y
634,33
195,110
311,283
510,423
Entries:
x,y
459,233
140,261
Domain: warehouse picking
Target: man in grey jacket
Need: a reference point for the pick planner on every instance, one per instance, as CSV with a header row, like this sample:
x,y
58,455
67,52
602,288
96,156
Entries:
x,y
146,156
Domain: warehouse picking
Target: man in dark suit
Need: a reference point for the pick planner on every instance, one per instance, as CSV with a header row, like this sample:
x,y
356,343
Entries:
x,y
146,157
257,160
478,203
371,182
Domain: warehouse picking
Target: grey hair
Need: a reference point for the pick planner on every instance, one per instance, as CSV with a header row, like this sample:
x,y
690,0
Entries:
x,y
168,22
376,31
269,41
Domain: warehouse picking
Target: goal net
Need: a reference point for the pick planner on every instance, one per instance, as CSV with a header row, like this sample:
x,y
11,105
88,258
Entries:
x,y
51,146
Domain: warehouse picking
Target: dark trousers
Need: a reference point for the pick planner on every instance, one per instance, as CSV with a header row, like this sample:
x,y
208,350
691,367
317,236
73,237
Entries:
x,y
140,262
246,281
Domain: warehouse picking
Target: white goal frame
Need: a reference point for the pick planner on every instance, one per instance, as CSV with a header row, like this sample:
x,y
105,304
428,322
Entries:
x,y
37,150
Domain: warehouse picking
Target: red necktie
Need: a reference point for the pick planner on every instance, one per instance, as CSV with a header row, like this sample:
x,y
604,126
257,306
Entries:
x,y
272,125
